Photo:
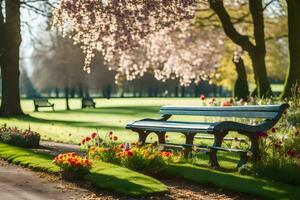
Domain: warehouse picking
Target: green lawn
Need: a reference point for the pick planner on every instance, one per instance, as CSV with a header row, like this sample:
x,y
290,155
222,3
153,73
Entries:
x,y
113,114
103,175
235,182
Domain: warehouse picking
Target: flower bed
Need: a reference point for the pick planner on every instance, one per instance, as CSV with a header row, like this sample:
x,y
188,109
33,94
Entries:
x,y
17,137
73,167
148,158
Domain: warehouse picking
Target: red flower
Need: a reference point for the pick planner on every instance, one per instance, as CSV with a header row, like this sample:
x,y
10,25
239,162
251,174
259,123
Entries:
x,y
129,153
94,135
262,134
87,138
202,97
273,130
110,133
83,141
115,138
121,145
226,103
291,152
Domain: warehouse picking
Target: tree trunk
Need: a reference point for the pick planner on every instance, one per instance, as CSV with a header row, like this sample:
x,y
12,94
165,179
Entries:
x,y
11,40
56,92
182,91
257,51
293,75
67,98
241,89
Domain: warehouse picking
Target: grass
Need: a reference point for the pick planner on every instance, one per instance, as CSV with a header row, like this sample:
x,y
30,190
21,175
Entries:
x,y
114,114
103,175
235,182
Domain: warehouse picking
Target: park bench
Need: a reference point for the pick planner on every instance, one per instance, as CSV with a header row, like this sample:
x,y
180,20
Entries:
x,y
88,102
42,103
268,115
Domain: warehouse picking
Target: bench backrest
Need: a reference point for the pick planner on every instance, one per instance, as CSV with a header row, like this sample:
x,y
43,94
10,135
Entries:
x,y
41,101
253,111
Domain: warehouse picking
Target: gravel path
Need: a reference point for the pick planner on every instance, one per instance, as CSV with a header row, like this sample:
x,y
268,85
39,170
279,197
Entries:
x,y
17,183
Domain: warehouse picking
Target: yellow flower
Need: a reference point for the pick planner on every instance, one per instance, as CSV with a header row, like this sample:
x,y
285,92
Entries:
x,y
101,150
97,157
150,157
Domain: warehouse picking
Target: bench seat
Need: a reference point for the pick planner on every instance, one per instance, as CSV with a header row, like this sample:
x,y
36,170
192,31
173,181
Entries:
x,y
171,126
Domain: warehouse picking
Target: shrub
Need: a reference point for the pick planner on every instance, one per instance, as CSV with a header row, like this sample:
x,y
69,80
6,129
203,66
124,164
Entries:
x,y
22,138
147,158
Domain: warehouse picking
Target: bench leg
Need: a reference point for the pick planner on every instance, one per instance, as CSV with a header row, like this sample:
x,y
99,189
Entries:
x,y
254,147
161,137
213,152
189,141
142,137
243,160
36,108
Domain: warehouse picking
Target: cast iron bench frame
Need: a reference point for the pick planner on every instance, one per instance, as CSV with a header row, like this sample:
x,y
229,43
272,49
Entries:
x,y
40,103
88,102
270,113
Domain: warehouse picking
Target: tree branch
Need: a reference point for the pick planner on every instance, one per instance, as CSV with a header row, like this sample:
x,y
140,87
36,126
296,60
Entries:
x,y
242,40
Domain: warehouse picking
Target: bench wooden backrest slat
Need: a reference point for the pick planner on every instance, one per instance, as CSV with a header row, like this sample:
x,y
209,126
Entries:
x,y
41,102
265,111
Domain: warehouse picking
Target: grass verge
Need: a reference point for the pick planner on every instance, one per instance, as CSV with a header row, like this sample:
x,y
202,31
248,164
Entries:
x,y
235,182
103,175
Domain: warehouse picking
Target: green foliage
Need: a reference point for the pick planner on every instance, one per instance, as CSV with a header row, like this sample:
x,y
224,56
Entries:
x,y
280,151
21,138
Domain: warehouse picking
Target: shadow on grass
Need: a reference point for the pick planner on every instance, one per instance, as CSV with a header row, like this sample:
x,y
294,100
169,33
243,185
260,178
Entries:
x,y
94,125
234,182
126,110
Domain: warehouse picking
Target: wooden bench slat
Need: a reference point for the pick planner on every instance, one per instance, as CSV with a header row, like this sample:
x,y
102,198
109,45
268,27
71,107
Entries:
x,y
171,126
267,112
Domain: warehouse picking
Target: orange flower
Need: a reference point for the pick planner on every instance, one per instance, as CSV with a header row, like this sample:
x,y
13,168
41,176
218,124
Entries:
x,y
121,145
87,138
115,138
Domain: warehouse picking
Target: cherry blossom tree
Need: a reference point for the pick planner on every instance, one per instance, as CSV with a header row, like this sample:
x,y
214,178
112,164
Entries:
x,y
114,27
186,54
